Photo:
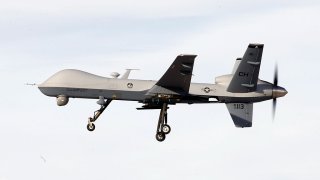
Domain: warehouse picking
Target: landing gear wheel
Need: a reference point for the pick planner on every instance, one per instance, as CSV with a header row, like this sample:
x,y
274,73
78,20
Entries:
x,y
166,129
91,127
97,113
160,136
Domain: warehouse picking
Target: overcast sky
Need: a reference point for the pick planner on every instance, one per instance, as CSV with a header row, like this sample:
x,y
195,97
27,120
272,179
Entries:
x,y
40,140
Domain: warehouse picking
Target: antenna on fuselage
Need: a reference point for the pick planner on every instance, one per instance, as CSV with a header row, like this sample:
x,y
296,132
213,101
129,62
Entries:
x,y
127,73
30,84
124,76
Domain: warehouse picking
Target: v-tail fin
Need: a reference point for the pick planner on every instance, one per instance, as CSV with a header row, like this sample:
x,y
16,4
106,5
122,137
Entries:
x,y
245,77
241,113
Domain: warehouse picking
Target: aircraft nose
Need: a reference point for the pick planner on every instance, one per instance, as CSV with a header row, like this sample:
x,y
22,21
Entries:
x,y
278,92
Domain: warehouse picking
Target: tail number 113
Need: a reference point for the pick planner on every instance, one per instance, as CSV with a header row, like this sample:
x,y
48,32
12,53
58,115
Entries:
x,y
238,106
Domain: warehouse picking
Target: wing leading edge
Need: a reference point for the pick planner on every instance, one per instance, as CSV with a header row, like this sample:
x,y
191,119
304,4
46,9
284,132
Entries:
x,y
176,80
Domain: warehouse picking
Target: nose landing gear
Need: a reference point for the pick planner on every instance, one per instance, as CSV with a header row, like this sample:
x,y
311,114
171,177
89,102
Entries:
x,y
96,114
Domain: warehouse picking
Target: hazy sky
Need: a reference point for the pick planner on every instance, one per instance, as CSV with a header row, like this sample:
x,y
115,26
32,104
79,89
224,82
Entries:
x,y
40,140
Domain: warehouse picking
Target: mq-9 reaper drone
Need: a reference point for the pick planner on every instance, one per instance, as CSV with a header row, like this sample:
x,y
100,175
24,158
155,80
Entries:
x,y
238,90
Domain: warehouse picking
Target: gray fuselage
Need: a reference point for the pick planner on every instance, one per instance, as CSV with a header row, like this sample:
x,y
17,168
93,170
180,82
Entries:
x,y
79,84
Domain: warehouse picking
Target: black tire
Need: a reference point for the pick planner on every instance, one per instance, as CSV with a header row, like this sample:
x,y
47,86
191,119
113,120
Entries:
x,y
160,136
166,129
91,127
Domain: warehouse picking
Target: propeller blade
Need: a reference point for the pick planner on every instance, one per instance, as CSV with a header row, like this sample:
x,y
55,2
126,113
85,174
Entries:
x,y
275,84
274,107
275,77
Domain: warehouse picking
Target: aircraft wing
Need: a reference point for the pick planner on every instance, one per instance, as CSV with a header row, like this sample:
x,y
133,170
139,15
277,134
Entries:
x,y
241,113
176,80
246,74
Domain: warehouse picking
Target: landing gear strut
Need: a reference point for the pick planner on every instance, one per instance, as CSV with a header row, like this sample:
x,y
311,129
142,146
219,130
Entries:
x,y
96,115
163,128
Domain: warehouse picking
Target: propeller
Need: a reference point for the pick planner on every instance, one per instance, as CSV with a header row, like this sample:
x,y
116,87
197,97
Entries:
x,y
275,84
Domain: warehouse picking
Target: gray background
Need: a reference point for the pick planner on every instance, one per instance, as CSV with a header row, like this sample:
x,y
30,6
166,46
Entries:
x,y
42,141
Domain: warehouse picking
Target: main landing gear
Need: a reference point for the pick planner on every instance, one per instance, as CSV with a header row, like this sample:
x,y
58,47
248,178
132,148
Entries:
x,y
163,128
104,104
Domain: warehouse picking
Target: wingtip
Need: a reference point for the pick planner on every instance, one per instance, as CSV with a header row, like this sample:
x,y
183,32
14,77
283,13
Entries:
x,y
190,55
254,45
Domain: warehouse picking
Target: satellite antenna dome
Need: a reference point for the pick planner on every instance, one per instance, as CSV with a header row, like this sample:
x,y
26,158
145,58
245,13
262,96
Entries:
x,y
114,74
